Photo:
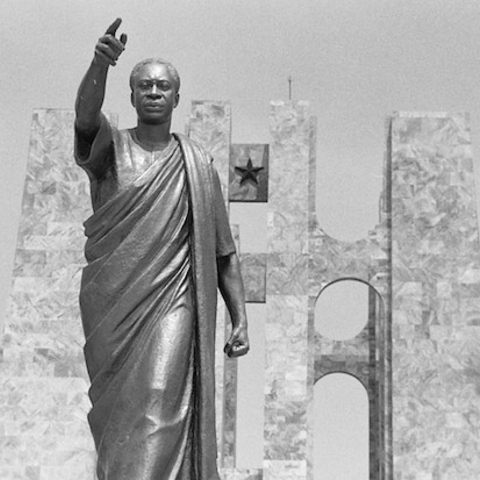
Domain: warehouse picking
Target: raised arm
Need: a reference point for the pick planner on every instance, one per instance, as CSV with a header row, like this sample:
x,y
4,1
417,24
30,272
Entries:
x,y
91,92
230,284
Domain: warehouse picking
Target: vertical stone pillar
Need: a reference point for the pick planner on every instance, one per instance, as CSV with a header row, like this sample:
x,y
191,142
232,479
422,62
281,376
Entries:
x,y
436,299
287,395
210,126
43,382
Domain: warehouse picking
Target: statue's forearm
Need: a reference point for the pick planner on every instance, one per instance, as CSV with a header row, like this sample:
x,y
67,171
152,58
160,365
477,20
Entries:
x,y
92,89
231,287
90,96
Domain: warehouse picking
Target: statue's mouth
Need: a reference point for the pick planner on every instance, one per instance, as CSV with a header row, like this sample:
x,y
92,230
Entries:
x,y
154,105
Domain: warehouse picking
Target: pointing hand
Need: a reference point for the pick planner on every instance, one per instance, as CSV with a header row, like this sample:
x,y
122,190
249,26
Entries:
x,y
109,47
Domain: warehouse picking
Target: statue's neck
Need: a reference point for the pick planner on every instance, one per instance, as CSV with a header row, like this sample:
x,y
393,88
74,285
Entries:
x,y
153,137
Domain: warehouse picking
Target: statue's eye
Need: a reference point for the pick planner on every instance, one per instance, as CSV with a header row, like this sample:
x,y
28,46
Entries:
x,y
164,86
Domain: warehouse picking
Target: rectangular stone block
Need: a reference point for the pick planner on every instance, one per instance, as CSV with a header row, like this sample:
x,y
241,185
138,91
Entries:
x,y
436,299
254,276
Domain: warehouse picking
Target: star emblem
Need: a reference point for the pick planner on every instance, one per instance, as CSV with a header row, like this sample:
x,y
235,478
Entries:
x,y
249,172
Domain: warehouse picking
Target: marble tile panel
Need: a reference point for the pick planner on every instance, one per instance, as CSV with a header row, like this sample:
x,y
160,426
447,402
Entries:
x,y
286,377
28,227
43,381
228,447
282,236
25,472
210,126
250,185
254,274
35,306
68,472
312,170
287,332
29,263
287,273
241,474
290,125
331,260
358,346
41,355
284,470
286,430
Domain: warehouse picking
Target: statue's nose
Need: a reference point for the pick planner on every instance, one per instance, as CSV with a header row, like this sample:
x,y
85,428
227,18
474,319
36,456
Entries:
x,y
154,90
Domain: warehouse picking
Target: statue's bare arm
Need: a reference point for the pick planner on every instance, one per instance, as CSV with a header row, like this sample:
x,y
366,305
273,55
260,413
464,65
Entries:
x,y
231,287
91,92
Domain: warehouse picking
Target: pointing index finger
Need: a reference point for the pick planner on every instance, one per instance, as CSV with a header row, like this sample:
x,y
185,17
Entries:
x,y
112,29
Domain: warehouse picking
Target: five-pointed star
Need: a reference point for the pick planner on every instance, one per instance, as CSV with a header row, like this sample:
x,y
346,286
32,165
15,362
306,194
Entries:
x,y
249,172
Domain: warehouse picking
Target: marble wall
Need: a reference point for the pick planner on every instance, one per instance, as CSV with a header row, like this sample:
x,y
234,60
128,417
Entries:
x,y
417,357
43,382
210,125
436,299
287,392
301,262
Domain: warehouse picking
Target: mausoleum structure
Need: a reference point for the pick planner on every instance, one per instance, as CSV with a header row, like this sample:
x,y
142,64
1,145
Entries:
x,y
418,356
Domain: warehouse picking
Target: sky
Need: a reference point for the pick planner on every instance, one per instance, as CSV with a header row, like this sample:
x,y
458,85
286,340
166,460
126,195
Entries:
x,y
355,61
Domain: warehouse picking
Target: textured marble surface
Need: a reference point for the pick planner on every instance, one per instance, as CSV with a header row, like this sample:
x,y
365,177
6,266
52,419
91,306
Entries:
x,y
253,188
254,272
436,301
286,327
240,474
210,125
429,203
288,180
301,261
367,356
43,382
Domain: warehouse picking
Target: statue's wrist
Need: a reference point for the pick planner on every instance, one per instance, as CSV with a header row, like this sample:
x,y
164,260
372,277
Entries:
x,y
241,323
100,62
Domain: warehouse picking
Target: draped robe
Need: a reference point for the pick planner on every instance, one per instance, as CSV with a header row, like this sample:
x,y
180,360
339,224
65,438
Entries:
x,y
148,304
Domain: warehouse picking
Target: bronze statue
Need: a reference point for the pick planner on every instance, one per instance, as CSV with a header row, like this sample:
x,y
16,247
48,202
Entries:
x,y
158,244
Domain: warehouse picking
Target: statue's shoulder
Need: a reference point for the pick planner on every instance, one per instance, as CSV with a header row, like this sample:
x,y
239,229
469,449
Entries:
x,y
191,147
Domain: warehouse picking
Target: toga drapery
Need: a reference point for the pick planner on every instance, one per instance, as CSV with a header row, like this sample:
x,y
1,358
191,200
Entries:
x,y
148,304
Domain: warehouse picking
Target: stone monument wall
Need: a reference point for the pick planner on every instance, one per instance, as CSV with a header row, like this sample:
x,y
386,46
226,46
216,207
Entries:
x,y
418,356
436,299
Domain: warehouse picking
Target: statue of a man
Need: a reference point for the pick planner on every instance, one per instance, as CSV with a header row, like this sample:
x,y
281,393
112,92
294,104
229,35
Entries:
x,y
158,245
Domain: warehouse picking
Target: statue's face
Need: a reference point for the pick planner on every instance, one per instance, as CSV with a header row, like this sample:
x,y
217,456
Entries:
x,y
154,94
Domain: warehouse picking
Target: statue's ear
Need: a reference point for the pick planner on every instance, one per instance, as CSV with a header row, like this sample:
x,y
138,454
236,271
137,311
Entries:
x,y
177,100
132,98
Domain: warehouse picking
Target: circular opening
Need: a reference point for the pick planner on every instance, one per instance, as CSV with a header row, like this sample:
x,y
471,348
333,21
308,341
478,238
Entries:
x,y
341,311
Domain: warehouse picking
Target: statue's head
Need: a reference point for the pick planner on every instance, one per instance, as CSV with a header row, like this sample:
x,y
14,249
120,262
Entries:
x,y
155,60
155,85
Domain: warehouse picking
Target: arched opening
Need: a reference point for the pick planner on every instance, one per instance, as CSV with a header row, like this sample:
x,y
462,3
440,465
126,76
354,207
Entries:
x,y
342,309
341,429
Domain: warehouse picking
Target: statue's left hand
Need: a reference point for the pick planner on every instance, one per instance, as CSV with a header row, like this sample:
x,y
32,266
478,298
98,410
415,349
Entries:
x,y
238,343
